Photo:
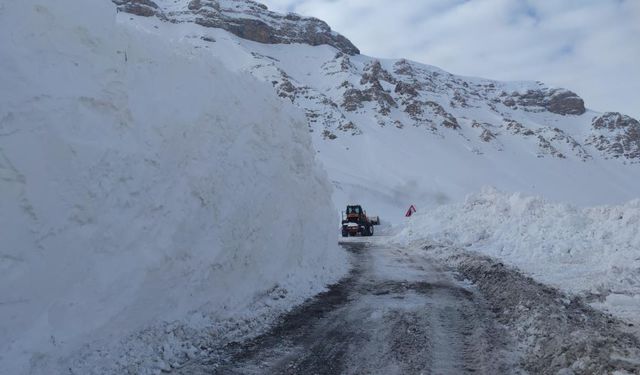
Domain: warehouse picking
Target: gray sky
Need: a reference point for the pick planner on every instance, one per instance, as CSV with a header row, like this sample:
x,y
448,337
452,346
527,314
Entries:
x,y
589,46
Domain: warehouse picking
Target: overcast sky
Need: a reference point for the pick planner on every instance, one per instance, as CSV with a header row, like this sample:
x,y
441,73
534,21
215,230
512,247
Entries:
x,y
589,46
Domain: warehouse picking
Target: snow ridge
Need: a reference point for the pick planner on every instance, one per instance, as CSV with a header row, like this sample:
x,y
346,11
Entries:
x,y
590,251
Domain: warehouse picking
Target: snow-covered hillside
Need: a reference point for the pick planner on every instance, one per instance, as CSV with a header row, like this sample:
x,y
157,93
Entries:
x,y
151,195
393,132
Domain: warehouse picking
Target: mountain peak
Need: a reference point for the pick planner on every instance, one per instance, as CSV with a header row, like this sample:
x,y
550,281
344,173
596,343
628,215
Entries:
x,y
244,18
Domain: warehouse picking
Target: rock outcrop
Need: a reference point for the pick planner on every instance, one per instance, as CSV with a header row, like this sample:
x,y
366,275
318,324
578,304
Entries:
x,y
564,102
617,136
371,79
144,8
559,101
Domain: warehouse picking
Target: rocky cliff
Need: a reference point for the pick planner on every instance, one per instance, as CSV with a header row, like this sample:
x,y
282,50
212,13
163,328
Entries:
x,y
616,136
244,18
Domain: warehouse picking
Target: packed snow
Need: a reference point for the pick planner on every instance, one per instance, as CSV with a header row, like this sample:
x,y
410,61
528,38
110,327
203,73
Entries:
x,y
147,189
588,251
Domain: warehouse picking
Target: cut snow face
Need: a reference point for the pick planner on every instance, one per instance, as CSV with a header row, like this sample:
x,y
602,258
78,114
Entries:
x,y
143,183
589,251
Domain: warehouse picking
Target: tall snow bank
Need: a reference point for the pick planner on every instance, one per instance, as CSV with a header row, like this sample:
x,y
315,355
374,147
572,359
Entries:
x,y
591,251
142,183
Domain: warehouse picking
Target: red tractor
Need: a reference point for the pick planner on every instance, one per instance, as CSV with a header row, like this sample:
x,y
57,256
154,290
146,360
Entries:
x,y
355,221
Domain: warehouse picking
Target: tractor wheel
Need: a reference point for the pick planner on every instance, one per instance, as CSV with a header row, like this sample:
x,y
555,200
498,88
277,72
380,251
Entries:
x,y
345,233
370,232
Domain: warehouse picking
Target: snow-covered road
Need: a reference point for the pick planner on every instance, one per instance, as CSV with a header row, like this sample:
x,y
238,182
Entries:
x,y
396,313
431,310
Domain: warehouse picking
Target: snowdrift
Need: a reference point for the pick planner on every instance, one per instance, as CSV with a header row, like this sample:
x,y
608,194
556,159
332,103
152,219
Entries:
x,y
146,190
589,251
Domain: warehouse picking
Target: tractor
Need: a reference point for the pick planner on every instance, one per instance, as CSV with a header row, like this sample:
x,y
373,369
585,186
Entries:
x,y
355,221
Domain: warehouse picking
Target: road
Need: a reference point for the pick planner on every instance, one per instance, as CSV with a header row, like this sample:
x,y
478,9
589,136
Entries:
x,y
396,313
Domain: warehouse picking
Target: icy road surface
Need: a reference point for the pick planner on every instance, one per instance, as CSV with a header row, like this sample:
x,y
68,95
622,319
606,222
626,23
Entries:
x,y
396,313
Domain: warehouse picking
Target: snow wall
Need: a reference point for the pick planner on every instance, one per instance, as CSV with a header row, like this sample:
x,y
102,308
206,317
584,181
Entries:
x,y
589,251
144,187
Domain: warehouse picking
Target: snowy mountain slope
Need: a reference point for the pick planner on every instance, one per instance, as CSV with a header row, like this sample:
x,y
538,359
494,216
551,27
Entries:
x,y
149,195
395,132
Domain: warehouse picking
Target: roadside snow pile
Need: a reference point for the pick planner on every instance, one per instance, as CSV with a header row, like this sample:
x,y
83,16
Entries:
x,y
594,251
147,194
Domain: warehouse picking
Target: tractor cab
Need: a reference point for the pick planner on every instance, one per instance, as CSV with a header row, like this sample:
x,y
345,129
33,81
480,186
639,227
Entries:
x,y
353,214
